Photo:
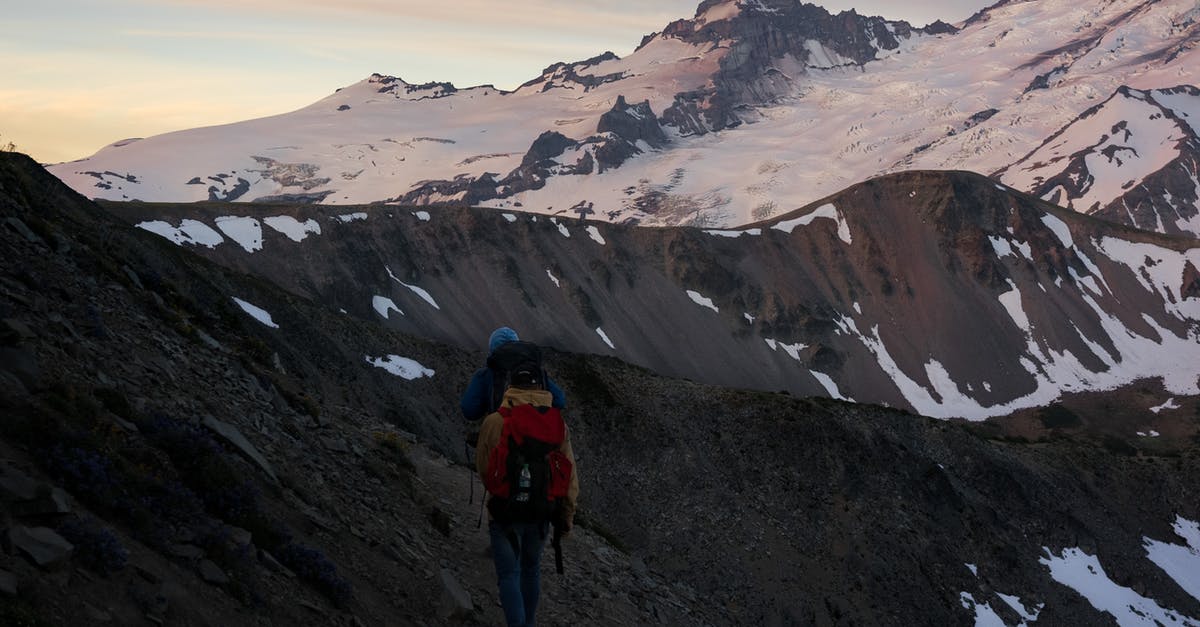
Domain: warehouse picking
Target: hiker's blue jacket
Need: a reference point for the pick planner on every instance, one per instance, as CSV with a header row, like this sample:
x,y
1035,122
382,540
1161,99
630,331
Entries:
x,y
477,400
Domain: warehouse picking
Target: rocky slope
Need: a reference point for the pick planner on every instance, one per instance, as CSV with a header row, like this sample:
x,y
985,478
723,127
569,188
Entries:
x,y
887,292
166,457
748,110
210,468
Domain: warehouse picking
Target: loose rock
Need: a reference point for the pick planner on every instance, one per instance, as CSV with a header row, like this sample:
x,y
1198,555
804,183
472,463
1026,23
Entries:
x,y
42,545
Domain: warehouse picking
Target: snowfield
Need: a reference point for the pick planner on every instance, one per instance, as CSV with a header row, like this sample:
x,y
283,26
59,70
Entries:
x,y
965,101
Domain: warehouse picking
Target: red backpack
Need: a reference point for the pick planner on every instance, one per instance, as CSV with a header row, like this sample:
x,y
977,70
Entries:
x,y
527,474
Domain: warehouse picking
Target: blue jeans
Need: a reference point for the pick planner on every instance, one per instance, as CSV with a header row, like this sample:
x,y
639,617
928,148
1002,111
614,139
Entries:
x,y
517,551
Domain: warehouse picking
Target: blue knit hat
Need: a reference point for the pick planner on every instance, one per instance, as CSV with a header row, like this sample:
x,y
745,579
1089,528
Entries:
x,y
499,337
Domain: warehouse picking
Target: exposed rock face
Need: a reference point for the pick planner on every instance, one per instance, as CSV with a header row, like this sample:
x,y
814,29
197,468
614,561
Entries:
x,y
768,34
628,127
567,75
547,146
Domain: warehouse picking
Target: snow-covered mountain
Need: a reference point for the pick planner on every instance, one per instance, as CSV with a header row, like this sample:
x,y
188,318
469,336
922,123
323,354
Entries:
x,y
748,110
1134,158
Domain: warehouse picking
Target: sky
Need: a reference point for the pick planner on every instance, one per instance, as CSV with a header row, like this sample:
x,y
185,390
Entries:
x,y
80,74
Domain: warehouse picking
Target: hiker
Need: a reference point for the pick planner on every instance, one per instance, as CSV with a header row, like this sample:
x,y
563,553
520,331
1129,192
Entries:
x,y
525,460
487,385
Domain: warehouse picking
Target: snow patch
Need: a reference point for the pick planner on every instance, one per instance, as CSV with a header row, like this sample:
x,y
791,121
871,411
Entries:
x,y
1180,561
416,290
188,232
351,217
985,616
553,278
792,350
1018,606
257,313
604,336
423,216
510,217
1084,574
402,367
1012,303
562,228
594,233
702,301
1170,404
1060,229
1002,247
247,232
830,386
294,229
384,305
824,211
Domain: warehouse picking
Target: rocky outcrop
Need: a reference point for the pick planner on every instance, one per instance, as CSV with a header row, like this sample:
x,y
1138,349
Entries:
x,y
628,128
765,35
567,75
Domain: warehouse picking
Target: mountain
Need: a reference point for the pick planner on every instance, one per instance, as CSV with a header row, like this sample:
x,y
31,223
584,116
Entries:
x,y
749,110
940,292
1143,172
223,451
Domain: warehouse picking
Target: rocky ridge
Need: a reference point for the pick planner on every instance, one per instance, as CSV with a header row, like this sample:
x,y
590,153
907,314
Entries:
x,y
879,293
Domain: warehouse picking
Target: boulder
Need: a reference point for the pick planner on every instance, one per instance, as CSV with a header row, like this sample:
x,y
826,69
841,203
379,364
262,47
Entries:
x,y
456,601
42,545
231,435
186,551
212,573
239,536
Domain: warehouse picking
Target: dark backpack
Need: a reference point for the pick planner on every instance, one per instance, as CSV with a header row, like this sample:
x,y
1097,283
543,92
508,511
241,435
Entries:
x,y
515,364
527,474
